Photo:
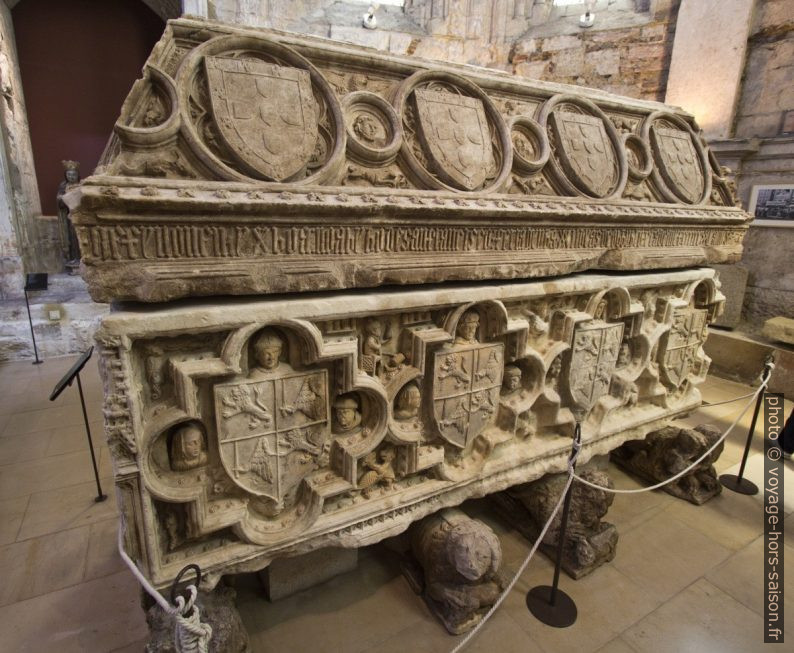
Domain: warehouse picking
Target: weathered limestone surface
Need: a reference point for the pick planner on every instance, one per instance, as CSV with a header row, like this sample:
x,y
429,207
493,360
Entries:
x,y
245,430
252,161
455,567
668,451
589,542
733,283
286,576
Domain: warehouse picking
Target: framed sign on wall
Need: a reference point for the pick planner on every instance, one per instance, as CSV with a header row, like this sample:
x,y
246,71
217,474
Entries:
x,y
772,205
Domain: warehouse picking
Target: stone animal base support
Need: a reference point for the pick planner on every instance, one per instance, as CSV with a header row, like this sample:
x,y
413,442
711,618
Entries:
x,y
589,541
454,564
666,452
217,609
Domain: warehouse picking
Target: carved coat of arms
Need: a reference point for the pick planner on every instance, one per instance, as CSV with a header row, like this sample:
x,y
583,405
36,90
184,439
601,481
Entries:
x,y
455,131
266,114
683,342
681,167
585,151
593,358
269,428
466,384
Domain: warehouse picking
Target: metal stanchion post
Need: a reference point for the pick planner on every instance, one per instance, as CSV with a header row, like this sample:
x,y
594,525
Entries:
x,y
550,604
34,281
737,482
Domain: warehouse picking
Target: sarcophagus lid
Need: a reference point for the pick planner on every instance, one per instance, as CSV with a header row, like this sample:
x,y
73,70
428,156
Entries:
x,y
253,161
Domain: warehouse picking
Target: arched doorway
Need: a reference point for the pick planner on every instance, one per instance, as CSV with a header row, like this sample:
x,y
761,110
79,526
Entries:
x,y
78,60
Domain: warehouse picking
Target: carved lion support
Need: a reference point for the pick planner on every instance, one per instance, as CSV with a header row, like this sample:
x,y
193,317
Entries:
x,y
590,542
455,567
667,452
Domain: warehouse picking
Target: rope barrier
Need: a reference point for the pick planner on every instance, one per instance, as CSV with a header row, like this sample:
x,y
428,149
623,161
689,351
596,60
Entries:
x,y
524,564
759,390
708,404
190,635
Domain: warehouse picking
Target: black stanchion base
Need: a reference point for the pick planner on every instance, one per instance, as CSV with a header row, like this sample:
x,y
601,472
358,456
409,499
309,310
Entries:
x,y
740,485
37,362
100,498
560,615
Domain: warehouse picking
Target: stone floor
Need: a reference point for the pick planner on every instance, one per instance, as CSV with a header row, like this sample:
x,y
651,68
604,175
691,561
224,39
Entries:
x,y
684,578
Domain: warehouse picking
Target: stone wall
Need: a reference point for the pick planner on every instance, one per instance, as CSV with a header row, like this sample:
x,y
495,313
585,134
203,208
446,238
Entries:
x,y
762,152
627,51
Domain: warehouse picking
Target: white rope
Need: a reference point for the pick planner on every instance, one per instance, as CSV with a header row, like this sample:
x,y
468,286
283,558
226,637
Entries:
x,y
709,404
524,564
190,635
685,471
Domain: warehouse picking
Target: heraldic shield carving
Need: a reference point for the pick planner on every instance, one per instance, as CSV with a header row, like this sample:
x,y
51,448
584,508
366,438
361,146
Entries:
x,y
683,342
585,151
266,114
593,359
681,169
456,133
269,429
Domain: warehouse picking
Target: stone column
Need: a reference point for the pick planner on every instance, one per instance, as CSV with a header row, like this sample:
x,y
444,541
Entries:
x,y
195,8
708,61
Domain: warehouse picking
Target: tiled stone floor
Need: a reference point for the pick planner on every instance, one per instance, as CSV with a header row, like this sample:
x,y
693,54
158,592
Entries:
x,y
684,578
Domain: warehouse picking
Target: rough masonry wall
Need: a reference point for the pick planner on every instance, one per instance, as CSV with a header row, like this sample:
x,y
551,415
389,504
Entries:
x,y
767,94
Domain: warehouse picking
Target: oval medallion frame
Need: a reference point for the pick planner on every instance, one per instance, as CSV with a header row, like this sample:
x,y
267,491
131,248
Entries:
x,y
533,131
226,44
662,177
370,103
577,186
444,181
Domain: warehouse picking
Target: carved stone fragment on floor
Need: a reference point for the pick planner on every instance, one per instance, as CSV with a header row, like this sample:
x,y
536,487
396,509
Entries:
x,y
217,609
668,451
455,567
589,542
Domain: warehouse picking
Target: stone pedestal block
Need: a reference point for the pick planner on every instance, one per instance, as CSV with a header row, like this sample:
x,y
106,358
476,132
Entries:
x,y
286,576
666,452
780,329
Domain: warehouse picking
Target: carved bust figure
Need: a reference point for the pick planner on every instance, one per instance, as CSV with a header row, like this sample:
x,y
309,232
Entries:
x,y
188,450
69,243
374,337
408,402
511,383
267,349
347,413
466,333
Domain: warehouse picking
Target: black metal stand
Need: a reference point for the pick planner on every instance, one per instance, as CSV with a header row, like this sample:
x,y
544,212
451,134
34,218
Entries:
x,y
68,378
550,604
737,482
35,281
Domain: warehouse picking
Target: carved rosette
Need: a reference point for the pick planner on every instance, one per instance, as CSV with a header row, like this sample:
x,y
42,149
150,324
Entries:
x,y
681,169
588,157
455,138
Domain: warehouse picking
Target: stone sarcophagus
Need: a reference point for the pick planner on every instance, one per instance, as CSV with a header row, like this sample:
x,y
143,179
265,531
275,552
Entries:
x,y
249,162
247,430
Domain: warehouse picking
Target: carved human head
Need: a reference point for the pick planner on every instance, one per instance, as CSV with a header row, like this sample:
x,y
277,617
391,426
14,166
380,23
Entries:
x,y
624,355
512,378
188,450
366,127
408,401
267,349
468,325
555,368
347,412
601,309
373,327
71,171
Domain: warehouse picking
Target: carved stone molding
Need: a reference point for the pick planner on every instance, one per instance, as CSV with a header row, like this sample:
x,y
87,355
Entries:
x,y
241,431
240,147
